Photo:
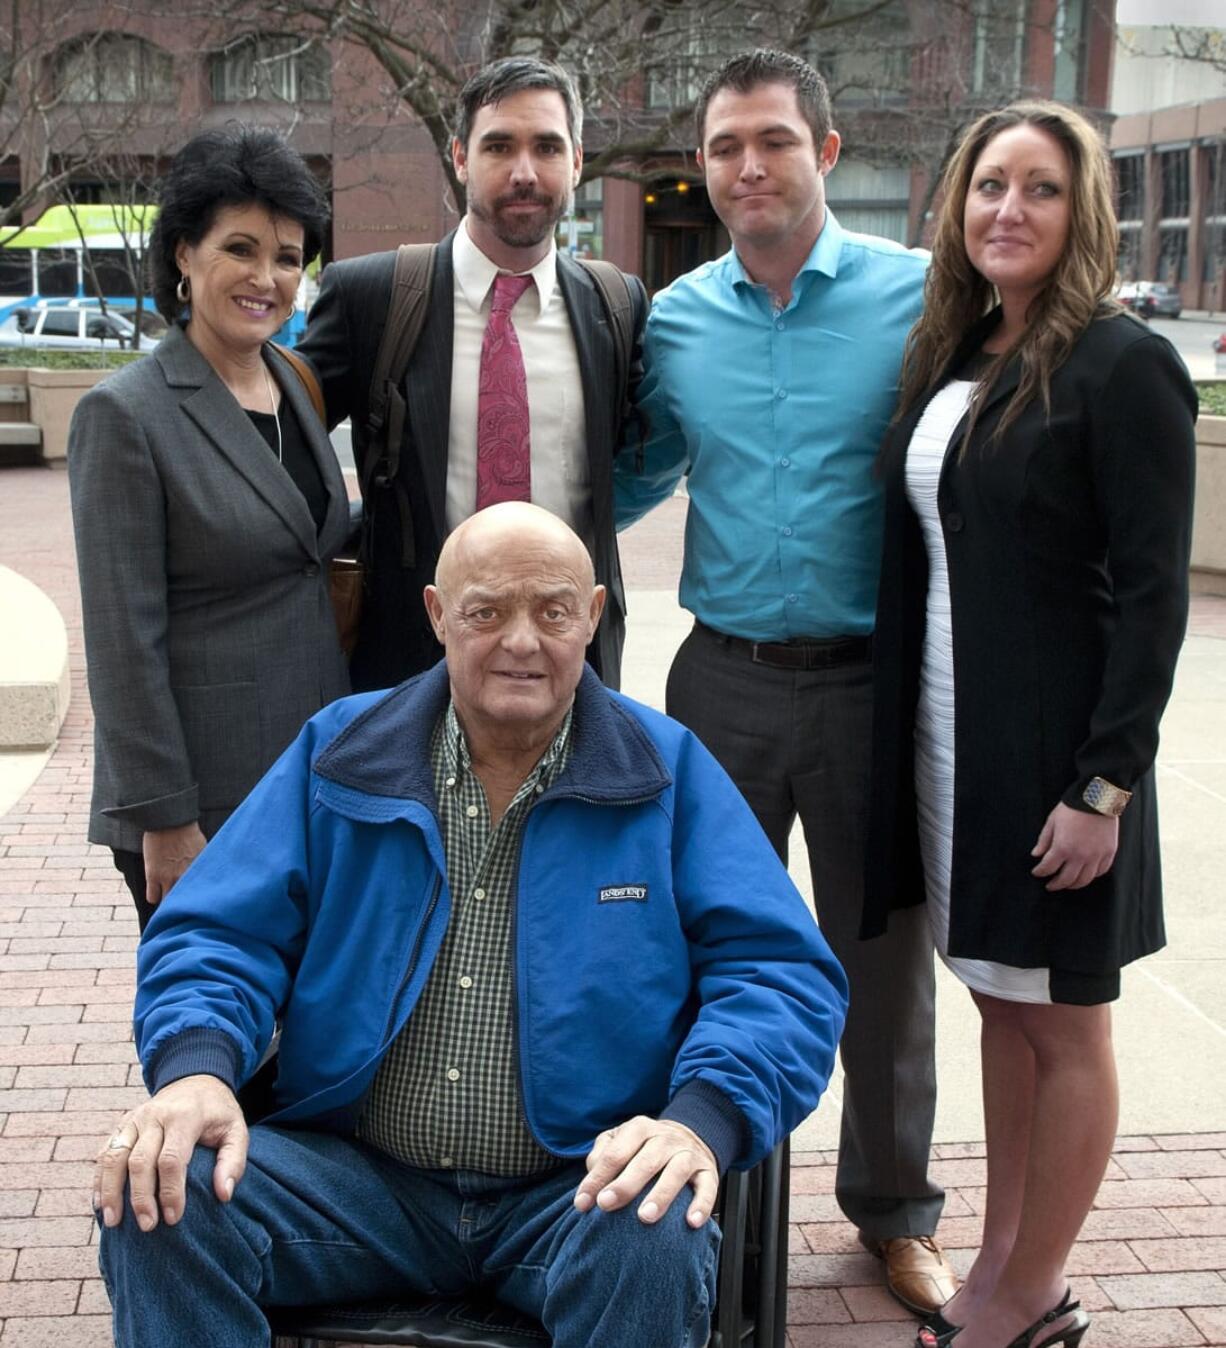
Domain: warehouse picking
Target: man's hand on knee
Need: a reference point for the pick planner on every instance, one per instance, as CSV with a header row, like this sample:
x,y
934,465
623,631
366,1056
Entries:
x,y
625,1159
151,1148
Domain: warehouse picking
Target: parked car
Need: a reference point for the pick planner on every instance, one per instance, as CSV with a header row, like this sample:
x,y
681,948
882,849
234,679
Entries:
x,y
1151,299
152,324
71,328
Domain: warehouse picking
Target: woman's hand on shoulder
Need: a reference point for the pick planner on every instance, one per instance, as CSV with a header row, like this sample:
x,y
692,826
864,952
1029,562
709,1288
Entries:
x,y
1075,847
168,852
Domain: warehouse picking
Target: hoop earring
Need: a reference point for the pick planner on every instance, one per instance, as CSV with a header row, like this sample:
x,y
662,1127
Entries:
x,y
293,309
183,291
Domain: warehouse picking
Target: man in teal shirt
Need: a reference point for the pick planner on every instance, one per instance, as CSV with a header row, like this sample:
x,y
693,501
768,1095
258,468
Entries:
x,y
770,376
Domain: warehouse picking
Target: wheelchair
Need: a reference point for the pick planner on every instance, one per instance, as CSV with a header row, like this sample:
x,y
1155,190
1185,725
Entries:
x,y
751,1290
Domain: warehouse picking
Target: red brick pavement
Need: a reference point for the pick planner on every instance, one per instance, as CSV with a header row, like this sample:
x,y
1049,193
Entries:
x,y
1151,1265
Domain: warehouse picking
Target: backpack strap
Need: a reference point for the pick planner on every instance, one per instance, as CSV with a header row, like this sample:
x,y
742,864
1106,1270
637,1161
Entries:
x,y
618,301
306,375
619,307
407,308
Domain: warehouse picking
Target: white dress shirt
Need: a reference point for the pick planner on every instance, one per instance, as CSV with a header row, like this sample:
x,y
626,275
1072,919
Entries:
x,y
561,481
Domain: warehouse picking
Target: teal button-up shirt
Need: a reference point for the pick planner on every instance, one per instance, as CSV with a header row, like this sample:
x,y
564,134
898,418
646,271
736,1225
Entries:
x,y
776,415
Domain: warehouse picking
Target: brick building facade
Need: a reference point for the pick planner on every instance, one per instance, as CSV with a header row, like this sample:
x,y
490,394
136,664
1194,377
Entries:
x,y
153,78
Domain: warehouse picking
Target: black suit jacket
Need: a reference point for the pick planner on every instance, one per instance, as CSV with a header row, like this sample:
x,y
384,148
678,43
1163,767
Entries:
x,y
342,341
1067,543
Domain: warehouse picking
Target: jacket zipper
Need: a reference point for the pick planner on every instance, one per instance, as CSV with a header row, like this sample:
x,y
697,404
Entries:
x,y
414,953
519,1064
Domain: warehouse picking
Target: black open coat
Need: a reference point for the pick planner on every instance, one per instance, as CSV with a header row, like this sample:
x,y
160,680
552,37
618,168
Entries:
x,y
1067,543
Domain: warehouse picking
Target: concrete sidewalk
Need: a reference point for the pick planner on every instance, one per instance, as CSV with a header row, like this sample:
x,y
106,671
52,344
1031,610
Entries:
x,y
1151,1262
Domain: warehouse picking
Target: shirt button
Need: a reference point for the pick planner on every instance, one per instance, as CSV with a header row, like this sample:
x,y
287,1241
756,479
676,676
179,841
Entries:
x,y
466,982
471,812
478,893
446,1162
780,325
785,463
450,781
792,598
311,569
954,522
781,394
540,790
786,531
453,1074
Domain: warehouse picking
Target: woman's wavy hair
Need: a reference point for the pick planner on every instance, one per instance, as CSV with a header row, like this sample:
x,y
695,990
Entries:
x,y
956,296
231,165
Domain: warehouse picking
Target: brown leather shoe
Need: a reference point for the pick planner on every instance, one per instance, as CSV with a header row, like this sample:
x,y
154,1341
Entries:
x,y
916,1271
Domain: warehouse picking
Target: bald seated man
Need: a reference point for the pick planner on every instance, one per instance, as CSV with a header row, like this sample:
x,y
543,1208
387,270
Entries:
x,y
540,979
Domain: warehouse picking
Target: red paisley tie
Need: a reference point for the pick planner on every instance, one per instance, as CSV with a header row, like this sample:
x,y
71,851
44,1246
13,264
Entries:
x,y
504,458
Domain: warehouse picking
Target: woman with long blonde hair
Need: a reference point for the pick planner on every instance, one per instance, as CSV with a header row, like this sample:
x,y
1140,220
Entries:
x,y
1038,483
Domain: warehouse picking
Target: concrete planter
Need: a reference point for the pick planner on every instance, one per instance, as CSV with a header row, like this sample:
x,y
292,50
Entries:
x,y
54,395
34,682
1209,520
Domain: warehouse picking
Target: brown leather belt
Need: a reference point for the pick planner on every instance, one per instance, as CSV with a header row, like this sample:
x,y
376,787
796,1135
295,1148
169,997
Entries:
x,y
799,652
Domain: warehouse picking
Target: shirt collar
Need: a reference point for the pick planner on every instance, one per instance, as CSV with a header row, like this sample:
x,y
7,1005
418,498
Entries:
x,y
475,273
823,256
550,763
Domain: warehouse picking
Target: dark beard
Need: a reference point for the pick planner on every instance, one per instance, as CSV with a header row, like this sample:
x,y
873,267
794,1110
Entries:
x,y
517,232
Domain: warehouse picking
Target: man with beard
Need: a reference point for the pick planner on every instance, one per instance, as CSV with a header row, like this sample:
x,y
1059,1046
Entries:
x,y
513,390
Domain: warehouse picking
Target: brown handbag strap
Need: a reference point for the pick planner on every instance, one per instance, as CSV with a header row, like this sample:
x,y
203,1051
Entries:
x,y
307,376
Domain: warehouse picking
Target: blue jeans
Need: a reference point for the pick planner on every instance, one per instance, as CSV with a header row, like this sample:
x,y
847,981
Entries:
x,y
319,1219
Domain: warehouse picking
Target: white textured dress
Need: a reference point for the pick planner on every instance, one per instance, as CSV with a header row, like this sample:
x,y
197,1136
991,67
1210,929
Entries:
x,y
934,719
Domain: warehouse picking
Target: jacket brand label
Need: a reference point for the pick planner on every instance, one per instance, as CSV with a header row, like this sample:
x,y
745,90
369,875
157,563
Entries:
x,y
624,894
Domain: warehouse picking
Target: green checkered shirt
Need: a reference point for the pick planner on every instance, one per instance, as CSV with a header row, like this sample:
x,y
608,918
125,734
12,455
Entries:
x,y
447,1093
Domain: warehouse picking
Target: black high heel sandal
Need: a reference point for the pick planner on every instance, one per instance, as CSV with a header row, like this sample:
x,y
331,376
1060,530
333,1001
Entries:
x,y
936,1332
1069,1336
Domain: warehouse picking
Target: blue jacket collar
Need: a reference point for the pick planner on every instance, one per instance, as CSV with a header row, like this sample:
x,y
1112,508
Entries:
x,y
385,751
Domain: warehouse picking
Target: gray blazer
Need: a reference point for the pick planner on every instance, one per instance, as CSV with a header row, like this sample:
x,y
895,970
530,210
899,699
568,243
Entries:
x,y
209,632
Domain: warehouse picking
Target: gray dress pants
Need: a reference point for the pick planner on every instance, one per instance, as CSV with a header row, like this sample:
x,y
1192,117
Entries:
x,y
797,742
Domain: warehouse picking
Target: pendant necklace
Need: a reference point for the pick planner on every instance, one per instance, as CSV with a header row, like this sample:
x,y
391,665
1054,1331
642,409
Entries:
x,y
272,402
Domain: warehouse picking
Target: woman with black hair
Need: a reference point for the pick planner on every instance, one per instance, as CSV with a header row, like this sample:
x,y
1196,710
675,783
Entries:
x,y
207,503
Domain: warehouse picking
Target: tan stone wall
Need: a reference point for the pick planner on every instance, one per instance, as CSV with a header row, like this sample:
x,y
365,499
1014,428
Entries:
x,y
1209,519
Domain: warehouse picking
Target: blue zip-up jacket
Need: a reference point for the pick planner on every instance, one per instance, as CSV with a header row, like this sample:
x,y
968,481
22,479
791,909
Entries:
x,y
664,962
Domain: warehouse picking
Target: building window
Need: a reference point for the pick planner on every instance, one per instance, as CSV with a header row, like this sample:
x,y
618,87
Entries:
x,y
1215,252
1130,186
866,60
1000,46
1215,210
1173,174
676,80
1175,196
1129,265
1068,40
1173,253
588,237
271,66
870,200
114,68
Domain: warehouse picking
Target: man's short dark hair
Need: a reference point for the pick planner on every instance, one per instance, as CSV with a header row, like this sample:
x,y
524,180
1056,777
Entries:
x,y
512,75
746,72
231,165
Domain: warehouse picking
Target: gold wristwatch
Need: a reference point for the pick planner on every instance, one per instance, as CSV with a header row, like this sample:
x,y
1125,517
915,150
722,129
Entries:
x,y
1105,797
